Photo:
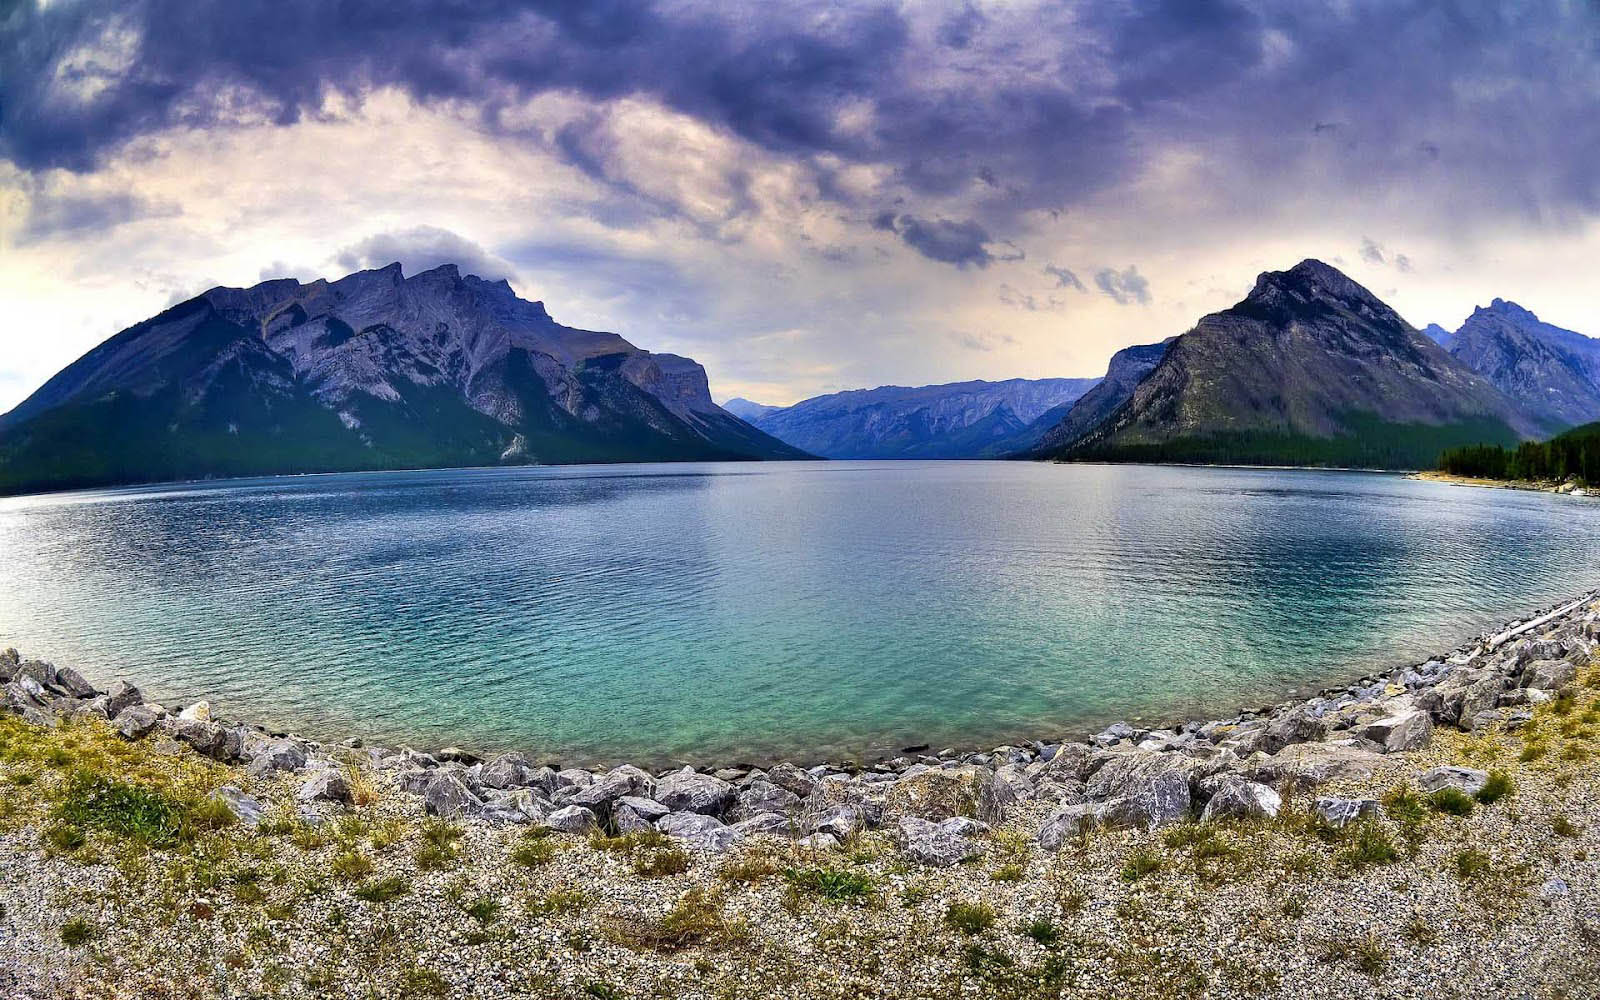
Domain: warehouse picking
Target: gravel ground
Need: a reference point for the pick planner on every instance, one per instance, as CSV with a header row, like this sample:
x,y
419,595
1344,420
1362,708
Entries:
x,y
1269,909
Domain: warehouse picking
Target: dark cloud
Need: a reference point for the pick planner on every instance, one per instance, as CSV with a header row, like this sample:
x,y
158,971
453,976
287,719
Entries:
x,y
963,244
958,30
1065,278
1371,252
51,215
422,248
1125,287
1049,103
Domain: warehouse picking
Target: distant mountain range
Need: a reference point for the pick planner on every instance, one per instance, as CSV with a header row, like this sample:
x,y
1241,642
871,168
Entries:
x,y
381,371
1551,373
373,371
1309,368
957,420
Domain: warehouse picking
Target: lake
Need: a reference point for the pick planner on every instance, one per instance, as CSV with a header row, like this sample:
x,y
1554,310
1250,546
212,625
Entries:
x,y
727,612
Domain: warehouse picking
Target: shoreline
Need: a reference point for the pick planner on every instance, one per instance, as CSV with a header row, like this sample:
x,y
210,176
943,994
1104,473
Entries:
x,y
1525,485
1427,829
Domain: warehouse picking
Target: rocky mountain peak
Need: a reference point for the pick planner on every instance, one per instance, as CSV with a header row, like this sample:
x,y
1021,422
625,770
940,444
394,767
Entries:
x,y
1310,290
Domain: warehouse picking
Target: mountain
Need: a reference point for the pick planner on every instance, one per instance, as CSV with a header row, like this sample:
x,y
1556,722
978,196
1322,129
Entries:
x,y
958,420
1072,421
1309,368
746,409
1439,335
1551,373
373,371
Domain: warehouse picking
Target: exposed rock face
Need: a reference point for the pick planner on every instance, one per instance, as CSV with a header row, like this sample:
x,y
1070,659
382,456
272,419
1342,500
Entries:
x,y
1309,368
1127,369
1553,374
375,370
958,420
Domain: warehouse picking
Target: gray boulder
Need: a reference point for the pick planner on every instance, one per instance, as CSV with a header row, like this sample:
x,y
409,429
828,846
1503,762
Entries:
x,y
1158,802
1118,774
416,780
1009,785
278,755
1305,766
327,785
122,695
447,795
74,684
761,796
572,777
617,782
937,844
699,831
1116,733
517,805
1463,694
1067,823
572,819
792,779
1295,726
775,824
1236,798
246,808
688,791
1549,675
136,721
650,809
1466,779
840,821
508,770
1403,731
206,738
1339,811
625,819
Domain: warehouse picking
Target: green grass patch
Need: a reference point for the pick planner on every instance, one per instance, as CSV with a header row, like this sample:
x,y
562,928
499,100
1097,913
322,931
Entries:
x,y
1142,861
969,918
135,812
1499,786
836,885
383,890
1452,801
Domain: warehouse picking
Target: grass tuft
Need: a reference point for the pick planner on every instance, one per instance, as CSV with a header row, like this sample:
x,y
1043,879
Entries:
x,y
969,918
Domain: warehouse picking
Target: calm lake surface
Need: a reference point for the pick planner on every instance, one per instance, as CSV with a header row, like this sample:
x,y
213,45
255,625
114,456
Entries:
x,y
744,611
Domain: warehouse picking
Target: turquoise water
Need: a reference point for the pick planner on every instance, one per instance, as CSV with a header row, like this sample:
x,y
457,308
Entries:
x,y
745,611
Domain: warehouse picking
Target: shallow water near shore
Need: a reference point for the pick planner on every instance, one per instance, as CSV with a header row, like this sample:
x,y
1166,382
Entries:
x,y
726,612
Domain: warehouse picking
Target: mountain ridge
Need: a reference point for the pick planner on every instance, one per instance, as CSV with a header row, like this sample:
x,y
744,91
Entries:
x,y
372,370
1551,372
971,419
1308,368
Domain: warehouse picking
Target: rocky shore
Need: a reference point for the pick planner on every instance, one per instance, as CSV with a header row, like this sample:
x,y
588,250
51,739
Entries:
x,y
1312,848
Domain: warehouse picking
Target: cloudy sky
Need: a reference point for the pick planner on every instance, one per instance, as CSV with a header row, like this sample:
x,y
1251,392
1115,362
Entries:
x,y
803,195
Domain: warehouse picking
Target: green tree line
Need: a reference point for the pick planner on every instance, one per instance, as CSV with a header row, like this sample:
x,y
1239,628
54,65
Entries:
x,y
1575,453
